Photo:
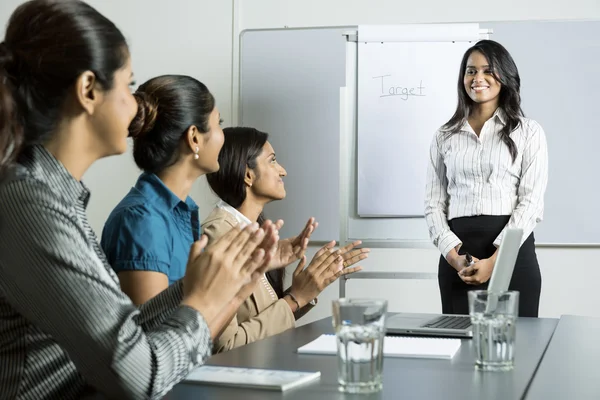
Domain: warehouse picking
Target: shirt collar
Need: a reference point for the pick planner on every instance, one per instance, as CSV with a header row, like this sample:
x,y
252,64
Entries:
x,y
154,189
44,166
498,114
241,218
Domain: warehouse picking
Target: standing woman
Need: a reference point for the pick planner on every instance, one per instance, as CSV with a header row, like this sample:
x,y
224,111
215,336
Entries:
x,y
67,331
488,172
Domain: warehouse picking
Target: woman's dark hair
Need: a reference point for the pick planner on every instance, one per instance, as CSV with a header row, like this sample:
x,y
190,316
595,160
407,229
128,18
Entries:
x,y
168,106
241,148
505,71
47,46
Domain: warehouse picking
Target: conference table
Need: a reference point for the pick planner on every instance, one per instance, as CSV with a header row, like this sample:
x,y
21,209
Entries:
x,y
554,359
570,367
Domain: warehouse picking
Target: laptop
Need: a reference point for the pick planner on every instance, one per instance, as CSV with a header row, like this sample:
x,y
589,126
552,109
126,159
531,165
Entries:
x,y
460,325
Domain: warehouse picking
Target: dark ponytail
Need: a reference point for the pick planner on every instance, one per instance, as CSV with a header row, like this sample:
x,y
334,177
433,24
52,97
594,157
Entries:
x,y
145,119
48,44
11,131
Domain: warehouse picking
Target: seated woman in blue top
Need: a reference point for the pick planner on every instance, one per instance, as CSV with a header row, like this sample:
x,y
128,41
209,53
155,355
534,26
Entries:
x,y
176,139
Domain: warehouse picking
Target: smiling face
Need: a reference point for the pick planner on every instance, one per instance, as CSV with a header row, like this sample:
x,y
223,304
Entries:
x,y
479,81
266,178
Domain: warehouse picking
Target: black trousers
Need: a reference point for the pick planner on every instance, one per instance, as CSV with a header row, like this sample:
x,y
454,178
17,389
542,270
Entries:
x,y
478,235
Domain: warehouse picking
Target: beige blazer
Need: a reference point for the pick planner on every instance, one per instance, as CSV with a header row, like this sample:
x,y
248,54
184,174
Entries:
x,y
262,314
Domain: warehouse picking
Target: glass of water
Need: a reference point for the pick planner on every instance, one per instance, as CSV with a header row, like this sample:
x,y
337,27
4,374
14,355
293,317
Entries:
x,y
494,317
360,329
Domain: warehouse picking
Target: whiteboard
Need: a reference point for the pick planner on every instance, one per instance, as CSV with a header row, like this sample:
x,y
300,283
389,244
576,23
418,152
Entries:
x,y
406,91
290,88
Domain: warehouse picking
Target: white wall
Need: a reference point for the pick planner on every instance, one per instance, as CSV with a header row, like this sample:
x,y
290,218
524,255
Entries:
x,y
302,13
568,275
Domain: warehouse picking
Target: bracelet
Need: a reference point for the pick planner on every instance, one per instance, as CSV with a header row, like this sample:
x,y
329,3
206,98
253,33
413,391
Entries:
x,y
294,300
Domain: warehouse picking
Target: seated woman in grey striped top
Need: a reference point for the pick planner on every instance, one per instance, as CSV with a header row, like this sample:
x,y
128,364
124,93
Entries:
x,y
67,331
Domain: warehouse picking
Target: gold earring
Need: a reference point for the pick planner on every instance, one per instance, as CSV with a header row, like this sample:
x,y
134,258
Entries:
x,y
196,156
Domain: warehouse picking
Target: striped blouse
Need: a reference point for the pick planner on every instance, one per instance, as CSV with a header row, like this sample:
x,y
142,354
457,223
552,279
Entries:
x,y
470,175
67,331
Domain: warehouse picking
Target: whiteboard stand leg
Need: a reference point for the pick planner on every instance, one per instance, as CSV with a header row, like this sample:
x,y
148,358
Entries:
x,y
347,132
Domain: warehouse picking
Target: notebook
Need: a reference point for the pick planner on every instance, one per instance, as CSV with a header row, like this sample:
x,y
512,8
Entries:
x,y
393,346
251,377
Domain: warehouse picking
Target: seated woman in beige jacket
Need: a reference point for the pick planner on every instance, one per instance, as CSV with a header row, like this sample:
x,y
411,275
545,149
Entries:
x,y
250,177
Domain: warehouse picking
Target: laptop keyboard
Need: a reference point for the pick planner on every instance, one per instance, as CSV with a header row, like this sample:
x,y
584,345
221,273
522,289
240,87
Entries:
x,y
450,322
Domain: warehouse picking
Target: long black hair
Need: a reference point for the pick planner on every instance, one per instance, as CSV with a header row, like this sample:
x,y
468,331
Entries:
x,y
505,71
241,148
